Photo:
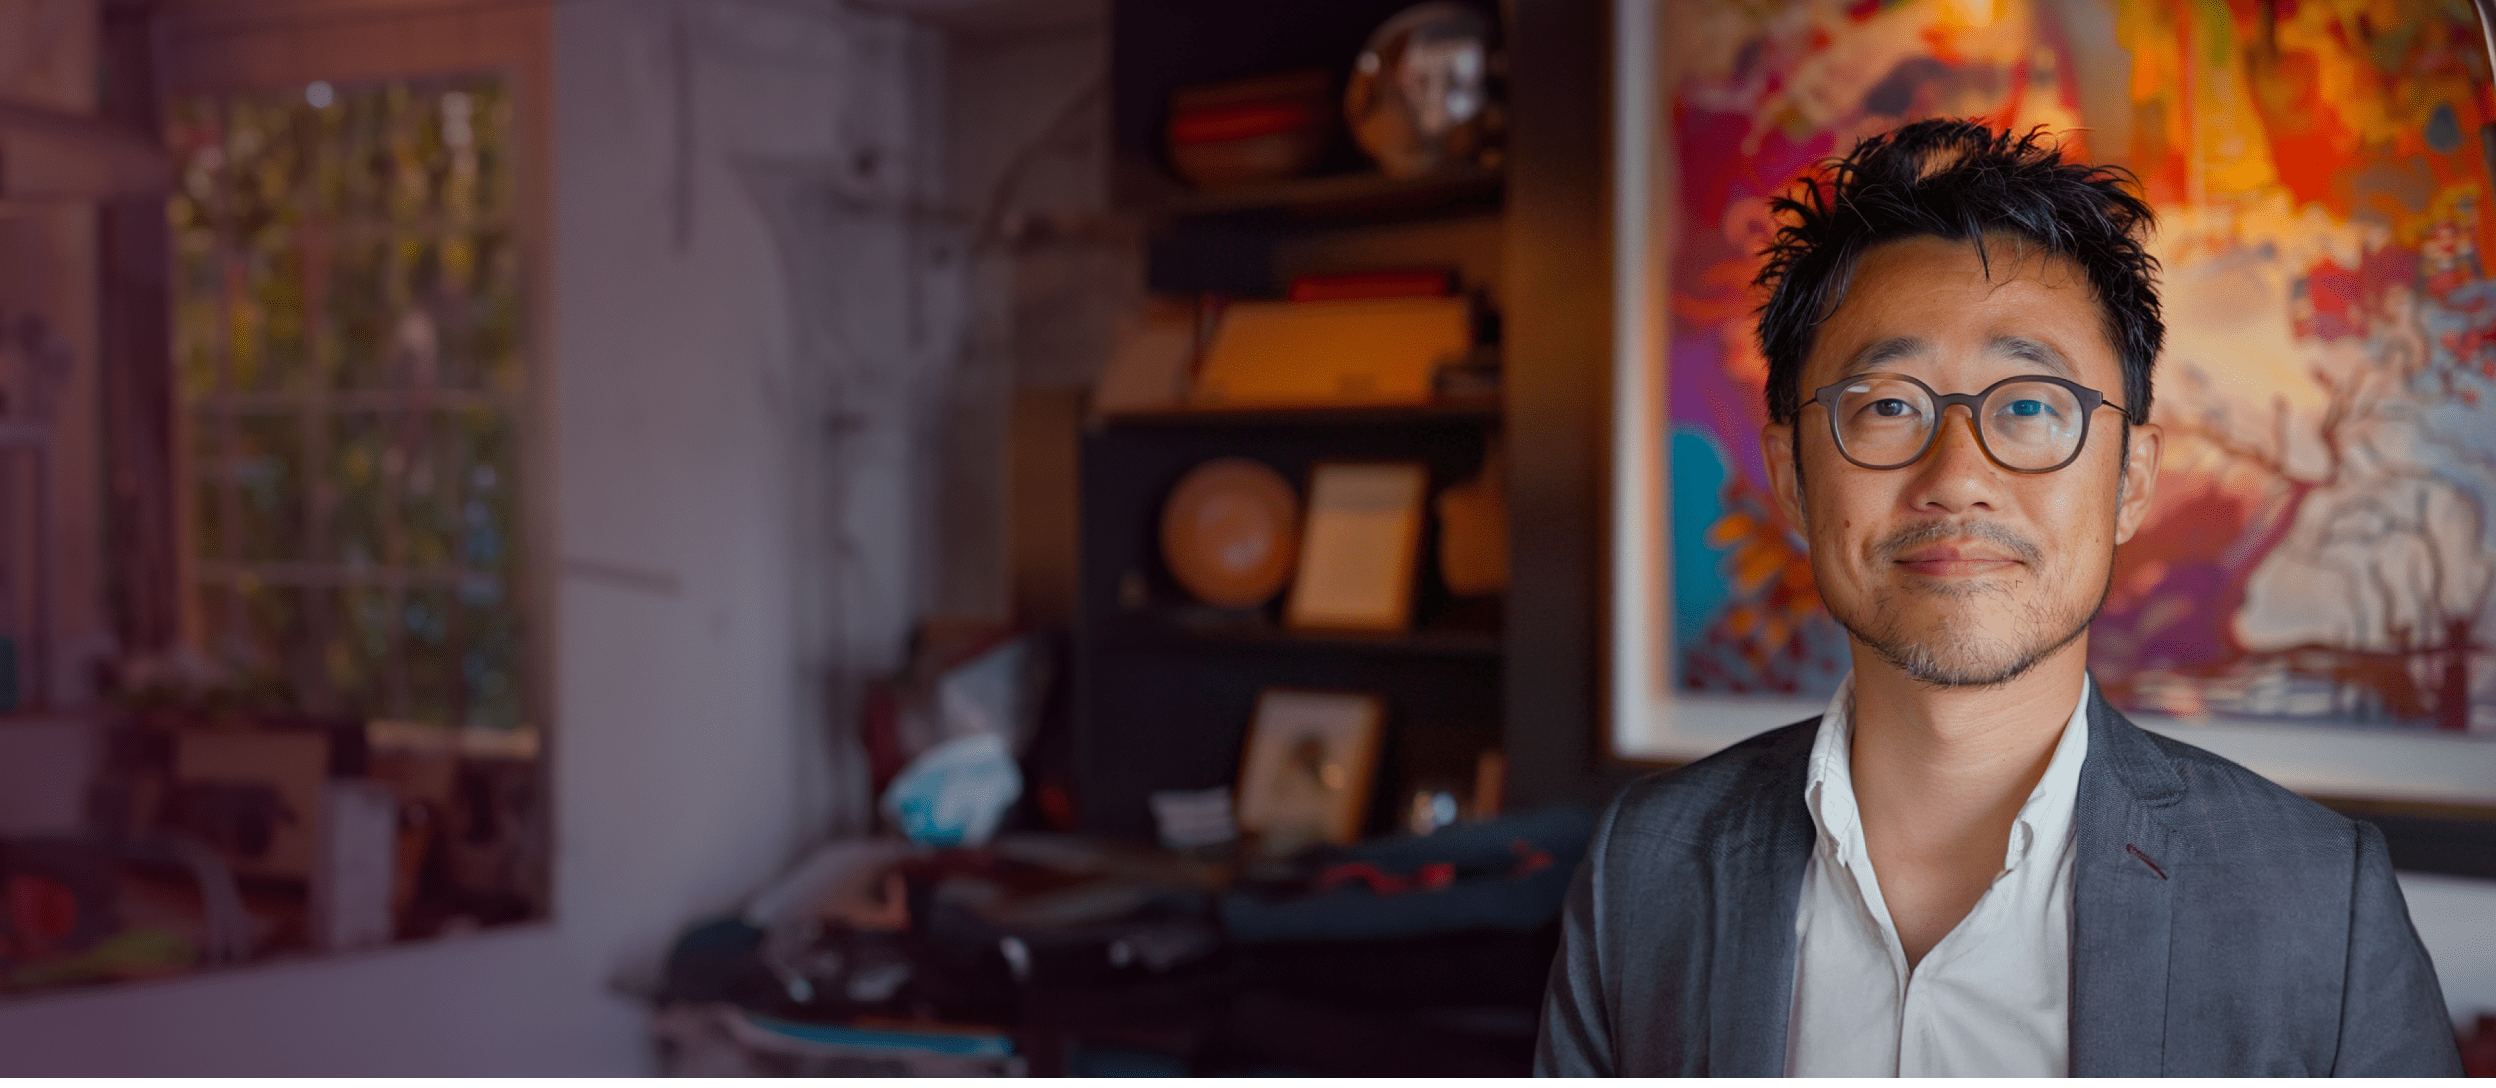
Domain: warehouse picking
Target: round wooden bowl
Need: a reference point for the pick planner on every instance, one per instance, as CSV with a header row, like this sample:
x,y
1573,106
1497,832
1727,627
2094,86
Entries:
x,y
1230,532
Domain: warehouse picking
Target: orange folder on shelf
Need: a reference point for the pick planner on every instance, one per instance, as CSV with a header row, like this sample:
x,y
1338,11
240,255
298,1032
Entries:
x,y
1379,351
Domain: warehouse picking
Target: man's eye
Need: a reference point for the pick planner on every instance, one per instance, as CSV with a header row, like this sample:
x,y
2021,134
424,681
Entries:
x,y
2028,408
1892,407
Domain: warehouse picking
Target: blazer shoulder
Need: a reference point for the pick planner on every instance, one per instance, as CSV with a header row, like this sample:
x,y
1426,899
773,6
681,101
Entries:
x,y
1694,803
2245,814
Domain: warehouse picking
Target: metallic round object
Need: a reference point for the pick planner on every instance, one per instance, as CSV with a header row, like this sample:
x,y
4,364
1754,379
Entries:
x,y
1419,100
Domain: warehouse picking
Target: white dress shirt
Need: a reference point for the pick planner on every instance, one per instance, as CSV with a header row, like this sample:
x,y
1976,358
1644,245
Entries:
x,y
1993,998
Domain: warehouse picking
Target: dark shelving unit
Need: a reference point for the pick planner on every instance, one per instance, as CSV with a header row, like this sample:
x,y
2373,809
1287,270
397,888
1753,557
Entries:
x,y
1166,686
1169,683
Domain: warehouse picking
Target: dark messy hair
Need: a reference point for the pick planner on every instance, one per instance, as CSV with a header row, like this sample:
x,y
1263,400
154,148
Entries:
x,y
1960,181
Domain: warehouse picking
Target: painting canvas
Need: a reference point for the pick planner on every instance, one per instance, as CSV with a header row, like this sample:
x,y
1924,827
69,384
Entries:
x,y
2321,550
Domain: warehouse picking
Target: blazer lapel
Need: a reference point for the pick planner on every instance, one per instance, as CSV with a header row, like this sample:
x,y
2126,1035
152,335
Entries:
x,y
2122,900
1751,989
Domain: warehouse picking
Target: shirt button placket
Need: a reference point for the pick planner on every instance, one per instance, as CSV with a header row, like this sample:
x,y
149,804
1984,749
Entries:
x,y
1913,1033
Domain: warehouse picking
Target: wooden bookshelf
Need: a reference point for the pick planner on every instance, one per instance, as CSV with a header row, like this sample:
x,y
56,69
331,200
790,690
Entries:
x,y
1164,685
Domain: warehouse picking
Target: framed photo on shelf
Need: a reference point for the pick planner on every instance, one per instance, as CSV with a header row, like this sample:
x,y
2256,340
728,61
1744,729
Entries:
x,y
1359,546
1307,772
2314,591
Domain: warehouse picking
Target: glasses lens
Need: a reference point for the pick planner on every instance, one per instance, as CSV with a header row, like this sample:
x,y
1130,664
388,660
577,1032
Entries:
x,y
1883,421
2033,425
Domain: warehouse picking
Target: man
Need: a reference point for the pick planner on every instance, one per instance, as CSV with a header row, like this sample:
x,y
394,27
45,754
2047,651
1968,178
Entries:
x,y
1972,865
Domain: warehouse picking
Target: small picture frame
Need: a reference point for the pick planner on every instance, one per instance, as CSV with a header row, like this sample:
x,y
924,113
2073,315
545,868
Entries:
x,y
1359,545
1311,759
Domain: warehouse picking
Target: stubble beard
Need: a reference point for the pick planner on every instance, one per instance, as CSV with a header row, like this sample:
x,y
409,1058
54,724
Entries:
x,y
1957,652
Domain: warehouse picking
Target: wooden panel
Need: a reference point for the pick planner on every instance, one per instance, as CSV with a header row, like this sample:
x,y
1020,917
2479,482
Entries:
x,y
1559,322
1042,497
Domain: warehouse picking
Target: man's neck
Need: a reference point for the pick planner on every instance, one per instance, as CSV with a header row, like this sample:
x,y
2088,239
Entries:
x,y
1950,746
1940,774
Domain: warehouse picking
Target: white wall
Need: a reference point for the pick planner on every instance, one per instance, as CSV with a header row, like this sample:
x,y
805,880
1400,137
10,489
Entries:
x,y
1050,273
745,315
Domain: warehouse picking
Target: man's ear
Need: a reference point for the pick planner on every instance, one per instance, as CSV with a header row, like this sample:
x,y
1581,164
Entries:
x,y
2140,479
1776,447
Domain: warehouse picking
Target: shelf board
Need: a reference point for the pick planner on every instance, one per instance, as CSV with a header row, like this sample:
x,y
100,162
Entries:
x,y
1208,631
1449,409
1334,198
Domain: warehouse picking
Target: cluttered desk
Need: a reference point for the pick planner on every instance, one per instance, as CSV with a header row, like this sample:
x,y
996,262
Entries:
x,y
947,947
1053,954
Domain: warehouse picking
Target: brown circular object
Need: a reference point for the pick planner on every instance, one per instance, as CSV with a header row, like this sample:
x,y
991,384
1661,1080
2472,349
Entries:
x,y
1230,532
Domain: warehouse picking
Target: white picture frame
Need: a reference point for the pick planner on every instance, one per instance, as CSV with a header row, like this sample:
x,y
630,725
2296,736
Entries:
x,y
1360,547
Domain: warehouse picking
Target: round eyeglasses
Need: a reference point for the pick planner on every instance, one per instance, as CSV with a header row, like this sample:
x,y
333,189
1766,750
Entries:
x,y
2030,423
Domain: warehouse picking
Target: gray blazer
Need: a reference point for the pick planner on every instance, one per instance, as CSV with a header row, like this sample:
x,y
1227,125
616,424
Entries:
x,y
2221,925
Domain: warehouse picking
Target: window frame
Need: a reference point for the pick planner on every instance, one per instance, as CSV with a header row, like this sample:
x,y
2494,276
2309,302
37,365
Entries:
x,y
217,47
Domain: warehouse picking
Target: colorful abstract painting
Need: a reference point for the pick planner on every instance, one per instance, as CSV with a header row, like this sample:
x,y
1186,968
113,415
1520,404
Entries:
x,y
2321,549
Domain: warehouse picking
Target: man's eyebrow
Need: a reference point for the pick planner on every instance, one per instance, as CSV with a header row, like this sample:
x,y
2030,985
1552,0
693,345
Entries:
x,y
2034,351
1885,351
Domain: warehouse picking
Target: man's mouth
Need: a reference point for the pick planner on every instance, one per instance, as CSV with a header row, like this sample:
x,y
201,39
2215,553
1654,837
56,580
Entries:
x,y
1956,560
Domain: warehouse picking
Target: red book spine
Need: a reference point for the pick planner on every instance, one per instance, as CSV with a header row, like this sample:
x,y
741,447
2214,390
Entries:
x,y
1402,283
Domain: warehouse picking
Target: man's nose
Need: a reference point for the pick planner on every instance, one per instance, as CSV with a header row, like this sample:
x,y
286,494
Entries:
x,y
1956,474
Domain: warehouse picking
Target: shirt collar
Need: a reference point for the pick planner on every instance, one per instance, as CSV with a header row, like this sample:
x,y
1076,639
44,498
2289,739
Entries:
x,y
1829,790
2048,815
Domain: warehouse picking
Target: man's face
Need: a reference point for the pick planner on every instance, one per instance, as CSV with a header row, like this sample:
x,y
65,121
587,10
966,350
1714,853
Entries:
x,y
1955,569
